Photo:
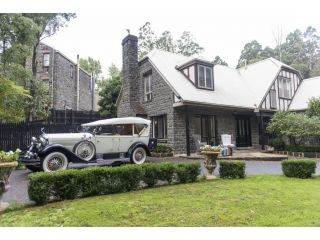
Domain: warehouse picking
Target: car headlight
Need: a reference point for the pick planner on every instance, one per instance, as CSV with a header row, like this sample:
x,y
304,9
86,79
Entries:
x,y
34,140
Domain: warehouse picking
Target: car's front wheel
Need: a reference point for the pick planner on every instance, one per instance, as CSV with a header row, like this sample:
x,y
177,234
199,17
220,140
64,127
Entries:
x,y
54,161
139,155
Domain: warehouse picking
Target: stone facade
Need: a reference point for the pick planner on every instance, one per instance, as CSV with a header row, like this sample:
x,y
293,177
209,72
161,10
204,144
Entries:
x,y
61,78
132,102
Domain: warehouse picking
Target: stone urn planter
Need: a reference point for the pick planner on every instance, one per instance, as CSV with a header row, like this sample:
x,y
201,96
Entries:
x,y
6,169
210,163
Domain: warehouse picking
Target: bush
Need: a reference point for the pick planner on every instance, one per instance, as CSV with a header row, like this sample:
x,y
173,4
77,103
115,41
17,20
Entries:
x,y
302,148
298,168
188,172
162,148
278,144
71,184
232,169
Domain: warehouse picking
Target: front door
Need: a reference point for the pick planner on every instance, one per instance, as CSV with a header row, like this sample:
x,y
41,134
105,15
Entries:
x,y
208,129
243,132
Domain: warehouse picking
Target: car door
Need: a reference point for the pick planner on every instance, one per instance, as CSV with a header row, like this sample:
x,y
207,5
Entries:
x,y
125,136
106,140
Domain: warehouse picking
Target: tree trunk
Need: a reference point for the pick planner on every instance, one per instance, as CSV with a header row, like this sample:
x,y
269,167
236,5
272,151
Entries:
x,y
34,60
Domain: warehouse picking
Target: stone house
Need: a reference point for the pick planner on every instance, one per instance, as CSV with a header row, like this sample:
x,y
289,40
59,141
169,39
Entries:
x,y
70,87
190,99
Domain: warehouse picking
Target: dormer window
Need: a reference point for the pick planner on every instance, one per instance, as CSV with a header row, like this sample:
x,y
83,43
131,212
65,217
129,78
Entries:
x,y
205,79
199,72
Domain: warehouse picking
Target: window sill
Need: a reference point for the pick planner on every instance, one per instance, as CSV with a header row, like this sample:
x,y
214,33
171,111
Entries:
x,y
162,140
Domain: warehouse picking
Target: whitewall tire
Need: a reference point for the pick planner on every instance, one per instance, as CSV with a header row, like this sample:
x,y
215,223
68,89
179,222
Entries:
x,y
139,155
55,161
85,150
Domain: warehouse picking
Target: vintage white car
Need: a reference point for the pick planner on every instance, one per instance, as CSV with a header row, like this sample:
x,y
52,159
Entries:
x,y
115,138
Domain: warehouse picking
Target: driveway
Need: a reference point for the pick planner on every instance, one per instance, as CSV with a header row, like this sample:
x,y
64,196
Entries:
x,y
18,179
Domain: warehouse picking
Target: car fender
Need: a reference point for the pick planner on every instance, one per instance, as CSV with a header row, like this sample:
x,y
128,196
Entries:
x,y
60,148
138,144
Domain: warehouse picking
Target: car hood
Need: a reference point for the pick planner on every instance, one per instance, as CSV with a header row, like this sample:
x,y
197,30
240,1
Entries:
x,y
68,136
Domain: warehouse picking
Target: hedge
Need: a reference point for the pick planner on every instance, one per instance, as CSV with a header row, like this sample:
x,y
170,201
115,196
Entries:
x,y
232,169
299,168
71,184
301,148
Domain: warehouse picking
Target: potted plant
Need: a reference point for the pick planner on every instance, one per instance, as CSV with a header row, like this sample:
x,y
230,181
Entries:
x,y
211,153
8,162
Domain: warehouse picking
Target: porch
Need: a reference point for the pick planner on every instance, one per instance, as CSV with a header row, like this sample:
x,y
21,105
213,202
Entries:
x,y
242,154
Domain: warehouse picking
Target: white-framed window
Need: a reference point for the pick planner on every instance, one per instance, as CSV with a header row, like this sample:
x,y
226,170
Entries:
x,y
284,87
205,78
273,98
46,59
148,87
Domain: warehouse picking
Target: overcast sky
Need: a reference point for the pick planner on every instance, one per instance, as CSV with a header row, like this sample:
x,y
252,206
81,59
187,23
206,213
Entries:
x,y
220,27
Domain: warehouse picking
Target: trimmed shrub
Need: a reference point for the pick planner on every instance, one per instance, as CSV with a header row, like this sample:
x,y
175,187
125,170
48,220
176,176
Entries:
x,y
162,148
302,148
232,169
299,168
187,172
71,184
278,144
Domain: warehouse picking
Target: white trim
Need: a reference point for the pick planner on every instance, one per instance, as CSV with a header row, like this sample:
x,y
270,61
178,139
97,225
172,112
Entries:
x,y
205,76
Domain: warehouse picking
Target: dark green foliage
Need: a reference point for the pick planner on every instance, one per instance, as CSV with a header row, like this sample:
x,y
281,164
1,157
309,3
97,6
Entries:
x,y
162,148
299,168
71,184
301,148
232,169
278,144
188,172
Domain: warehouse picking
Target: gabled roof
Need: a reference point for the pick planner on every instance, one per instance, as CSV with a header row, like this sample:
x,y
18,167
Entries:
x,y
244,87
308,88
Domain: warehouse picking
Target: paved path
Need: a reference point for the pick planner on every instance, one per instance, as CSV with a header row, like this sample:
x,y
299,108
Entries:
x,y
18,179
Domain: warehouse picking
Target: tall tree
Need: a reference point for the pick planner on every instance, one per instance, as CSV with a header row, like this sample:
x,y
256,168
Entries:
x,y
12,104
314,107
148,40
91,66
47,25
110,92
219,61
251,53
187,45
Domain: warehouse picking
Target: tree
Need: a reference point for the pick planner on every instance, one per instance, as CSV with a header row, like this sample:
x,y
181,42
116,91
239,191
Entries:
x,y
218,61
91,66
47,25
110,92
251,53
185,45
313,107
12,104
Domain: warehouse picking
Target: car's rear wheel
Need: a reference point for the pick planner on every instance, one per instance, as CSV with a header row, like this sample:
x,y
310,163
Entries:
x,y
54,161
85,149
138,156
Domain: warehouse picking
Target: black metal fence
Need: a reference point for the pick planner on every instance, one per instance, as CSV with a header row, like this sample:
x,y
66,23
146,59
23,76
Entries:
x,y
18,135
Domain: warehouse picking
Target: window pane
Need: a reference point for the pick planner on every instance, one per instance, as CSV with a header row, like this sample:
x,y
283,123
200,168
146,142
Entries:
x,y
201,77
197,125
191,73
106,130
208,78
146,82
124,129
46,60
138,128
160,128
273,99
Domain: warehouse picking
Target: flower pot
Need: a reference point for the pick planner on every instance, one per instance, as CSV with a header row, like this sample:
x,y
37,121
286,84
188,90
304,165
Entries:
x,y
211,160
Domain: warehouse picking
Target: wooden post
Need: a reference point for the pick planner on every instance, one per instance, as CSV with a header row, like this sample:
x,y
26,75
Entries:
x,y
187,131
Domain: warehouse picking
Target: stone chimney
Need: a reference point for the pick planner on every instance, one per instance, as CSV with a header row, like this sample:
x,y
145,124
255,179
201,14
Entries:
x,y
130,68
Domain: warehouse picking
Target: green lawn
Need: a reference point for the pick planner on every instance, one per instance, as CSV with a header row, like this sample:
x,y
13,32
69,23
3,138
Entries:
x,y
254,201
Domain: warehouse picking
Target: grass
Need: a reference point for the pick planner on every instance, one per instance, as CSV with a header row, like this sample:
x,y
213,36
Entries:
x,y
254,201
